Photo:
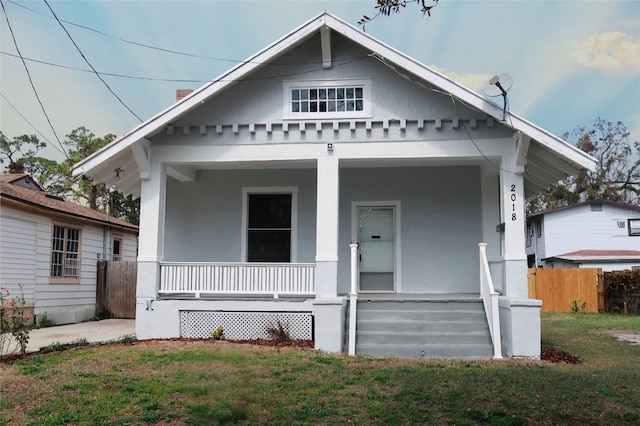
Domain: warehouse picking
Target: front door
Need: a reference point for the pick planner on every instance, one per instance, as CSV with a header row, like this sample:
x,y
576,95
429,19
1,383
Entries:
x,y
377,243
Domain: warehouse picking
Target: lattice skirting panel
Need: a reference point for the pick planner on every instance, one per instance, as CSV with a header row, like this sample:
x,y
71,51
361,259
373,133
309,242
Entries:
x,y
245,325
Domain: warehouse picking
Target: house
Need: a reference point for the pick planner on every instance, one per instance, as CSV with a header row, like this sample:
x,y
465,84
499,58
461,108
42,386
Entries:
x,y
51,246
593,234
335,186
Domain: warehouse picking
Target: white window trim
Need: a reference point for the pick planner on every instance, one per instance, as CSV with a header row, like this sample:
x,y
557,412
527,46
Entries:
x,y
63,279
354,233
630,229
293,190
288,85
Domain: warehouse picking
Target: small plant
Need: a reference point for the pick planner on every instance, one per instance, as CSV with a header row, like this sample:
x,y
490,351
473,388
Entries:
x,y
279,333
44,321
578,306
217,334
15,321
95,318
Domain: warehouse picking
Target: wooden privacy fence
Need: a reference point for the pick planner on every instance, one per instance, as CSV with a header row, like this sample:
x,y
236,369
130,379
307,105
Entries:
x,y
116,289
567,289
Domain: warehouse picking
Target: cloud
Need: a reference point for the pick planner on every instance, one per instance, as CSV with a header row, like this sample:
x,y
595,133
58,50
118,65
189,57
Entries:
x,y
613,52
470,80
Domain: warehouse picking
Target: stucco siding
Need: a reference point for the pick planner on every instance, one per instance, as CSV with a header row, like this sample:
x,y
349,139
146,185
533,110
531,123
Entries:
x,y
204,218
441,224
392,97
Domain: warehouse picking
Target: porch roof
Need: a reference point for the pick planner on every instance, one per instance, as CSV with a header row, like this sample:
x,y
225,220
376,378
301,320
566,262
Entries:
x,y
548,158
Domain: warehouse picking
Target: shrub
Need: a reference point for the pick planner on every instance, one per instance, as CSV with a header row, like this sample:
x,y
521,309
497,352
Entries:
x,y
15,321
622,291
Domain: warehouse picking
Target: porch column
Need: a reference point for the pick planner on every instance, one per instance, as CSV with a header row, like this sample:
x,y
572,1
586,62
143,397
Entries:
x,y
327,227
329,309
513,243
519,315
150,247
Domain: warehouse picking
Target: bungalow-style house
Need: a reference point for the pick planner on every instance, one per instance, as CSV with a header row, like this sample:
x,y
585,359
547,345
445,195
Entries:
x,y
51,246
593,234
338,188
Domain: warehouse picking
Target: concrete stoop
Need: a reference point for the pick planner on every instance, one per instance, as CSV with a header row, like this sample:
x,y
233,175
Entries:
x,y
422,328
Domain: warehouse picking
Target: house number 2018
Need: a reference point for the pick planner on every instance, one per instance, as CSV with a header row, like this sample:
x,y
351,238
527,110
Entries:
x,y
513,202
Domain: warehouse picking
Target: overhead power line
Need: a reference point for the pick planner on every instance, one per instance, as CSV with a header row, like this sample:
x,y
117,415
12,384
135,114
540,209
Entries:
x,y
89,63
148,46
30,123
35,91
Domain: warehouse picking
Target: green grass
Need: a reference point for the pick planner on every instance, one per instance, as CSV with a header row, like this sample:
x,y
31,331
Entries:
x,y
212,383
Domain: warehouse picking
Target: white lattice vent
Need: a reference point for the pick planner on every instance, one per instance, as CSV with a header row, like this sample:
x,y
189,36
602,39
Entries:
x,y
245,325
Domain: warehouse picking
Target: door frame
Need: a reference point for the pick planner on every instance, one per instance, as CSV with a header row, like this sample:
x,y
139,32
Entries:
x,y
397,287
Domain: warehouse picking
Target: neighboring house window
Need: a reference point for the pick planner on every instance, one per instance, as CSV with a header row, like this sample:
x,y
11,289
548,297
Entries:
x,y
116,249
529,234
596,207
539,228
269,228
634,227
65,252
327,99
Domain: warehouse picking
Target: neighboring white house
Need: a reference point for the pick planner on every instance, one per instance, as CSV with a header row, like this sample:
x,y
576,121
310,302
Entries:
x,y
593,234
326,170
51,247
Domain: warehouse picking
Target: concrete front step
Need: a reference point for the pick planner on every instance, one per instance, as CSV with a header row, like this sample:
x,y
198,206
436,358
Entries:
x,y
428,338
459,351
423,328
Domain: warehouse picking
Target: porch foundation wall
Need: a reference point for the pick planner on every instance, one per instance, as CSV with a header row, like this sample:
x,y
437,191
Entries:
x,y
520,327
329,320
160,319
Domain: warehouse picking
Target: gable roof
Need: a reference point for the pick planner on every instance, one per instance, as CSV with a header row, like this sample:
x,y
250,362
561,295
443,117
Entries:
x,y
622,206
12,193
555,157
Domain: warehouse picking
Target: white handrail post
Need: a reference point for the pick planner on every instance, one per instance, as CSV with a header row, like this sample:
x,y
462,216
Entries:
x,y
353,298
490,301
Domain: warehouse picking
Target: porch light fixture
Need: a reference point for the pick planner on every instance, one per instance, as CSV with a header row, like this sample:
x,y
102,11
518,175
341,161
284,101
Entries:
x,y
329,147
118,171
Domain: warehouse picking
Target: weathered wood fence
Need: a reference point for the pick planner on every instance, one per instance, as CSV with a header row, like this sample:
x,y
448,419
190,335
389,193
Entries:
x,y
567,289
116,289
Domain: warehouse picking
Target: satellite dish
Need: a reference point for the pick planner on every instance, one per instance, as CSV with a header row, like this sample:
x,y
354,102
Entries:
x,y
498,85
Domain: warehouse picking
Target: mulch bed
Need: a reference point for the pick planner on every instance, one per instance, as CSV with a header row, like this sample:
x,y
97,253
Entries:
x,y
557,356
548,354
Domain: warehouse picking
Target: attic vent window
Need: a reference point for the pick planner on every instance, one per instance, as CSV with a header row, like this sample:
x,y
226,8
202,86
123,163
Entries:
x,y
634,227
327,99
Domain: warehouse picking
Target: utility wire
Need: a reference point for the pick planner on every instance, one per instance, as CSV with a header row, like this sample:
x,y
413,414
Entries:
x,y
30,123
88,63
147,46
337,64
35,91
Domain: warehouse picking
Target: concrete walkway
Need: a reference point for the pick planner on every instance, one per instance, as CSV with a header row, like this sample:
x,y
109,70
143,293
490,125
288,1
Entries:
x,y
93,331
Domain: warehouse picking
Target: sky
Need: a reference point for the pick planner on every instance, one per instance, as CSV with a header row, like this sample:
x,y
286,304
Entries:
x,y
571,61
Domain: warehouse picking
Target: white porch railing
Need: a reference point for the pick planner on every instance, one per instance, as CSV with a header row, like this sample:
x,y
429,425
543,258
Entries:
x,y
490,300
275,279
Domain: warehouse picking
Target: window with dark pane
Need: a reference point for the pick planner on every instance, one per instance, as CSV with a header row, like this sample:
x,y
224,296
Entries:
x,y
269,230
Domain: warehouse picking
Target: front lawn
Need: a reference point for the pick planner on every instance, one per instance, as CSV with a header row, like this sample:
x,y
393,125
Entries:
x,y
175,382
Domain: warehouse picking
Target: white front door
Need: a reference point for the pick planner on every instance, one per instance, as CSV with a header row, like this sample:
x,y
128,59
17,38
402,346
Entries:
x,y
377,243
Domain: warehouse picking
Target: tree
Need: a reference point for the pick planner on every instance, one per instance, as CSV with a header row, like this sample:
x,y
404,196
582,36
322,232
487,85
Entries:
x,y
617,174
389,7
18,149
56,178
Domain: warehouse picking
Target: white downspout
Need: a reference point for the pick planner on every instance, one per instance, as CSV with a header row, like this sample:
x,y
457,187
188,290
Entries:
x,y
353,298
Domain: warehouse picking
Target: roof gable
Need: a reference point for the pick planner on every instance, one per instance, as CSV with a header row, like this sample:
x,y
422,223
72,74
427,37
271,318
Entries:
x,y
12,190
548,148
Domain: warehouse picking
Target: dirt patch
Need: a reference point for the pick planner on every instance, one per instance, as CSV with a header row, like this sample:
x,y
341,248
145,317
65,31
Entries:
x,y
626,335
